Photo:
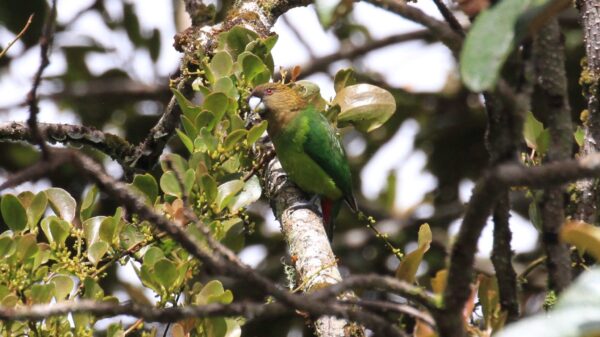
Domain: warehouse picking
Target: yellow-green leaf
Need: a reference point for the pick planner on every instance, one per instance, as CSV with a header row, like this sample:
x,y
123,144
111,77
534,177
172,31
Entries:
x,y
582,235
407,269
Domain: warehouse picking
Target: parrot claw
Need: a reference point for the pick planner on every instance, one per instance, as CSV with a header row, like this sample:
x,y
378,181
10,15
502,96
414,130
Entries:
x,y
310,204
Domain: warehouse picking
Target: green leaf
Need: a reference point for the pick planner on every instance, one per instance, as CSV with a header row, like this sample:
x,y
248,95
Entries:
x,y
221,64
91,229
188,108
365,106
35,209
178,163
10,301
147,185
87,205
493,36
96,252
13,213
108,229
408,267
187,142
237,122
203,119
209,187
42,293
92,290
205,142
213,292
62,203
226,86
189,178
226,192
63,285
535,135
236,39
165,272
250,193
256,132
58,229
189,127
152,255
130,236
115,330
26,247
216,103
234,138
255,71
579,135
169,184
344,78
7,247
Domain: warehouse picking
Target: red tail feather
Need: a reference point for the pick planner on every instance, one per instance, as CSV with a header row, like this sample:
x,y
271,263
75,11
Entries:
x,y
327,208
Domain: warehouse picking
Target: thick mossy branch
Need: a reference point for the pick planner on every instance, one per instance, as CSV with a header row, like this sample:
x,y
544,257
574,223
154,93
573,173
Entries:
x,y
112,145
590,81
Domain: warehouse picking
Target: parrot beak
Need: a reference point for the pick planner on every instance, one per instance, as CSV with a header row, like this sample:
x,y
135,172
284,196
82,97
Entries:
x,y
256,104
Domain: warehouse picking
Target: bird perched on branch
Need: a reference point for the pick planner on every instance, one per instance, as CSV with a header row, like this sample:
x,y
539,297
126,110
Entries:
x,y
308,148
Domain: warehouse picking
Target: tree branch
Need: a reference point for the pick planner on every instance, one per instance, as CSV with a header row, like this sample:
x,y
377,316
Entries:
x,y
32,99
552,101
320,64
485,195
112,145
590,80
148,313
449,17
19,35
438,28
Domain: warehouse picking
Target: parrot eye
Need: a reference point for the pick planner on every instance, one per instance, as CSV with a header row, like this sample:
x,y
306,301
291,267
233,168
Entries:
x,y
268,91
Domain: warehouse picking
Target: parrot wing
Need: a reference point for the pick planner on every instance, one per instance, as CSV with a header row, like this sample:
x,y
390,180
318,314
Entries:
x,y
323,146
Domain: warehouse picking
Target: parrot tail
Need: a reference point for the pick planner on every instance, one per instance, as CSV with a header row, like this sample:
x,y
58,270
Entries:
x,y
351,202
330,210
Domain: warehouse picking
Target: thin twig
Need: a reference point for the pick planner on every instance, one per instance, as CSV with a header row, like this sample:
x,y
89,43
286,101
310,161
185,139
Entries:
x,y
299,36
449,17
438,28
32,100
18,36
388,306
322,63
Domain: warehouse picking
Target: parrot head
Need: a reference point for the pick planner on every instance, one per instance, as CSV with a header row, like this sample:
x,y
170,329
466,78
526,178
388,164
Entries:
x,y
281,103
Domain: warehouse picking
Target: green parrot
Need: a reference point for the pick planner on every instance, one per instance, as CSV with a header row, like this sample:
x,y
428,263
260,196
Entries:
x,y
308,148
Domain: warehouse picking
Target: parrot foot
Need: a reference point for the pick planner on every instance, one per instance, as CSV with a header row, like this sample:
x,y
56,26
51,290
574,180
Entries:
x,y
310,204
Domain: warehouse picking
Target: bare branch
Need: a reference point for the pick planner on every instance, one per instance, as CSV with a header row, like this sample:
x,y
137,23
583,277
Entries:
x,y
438,28
36,171
386,283
322,63
27,24
32,99
148,313
553,106
449,17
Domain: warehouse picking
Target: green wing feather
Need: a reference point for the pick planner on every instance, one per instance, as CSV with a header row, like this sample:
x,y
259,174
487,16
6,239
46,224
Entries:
x,y
324,148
